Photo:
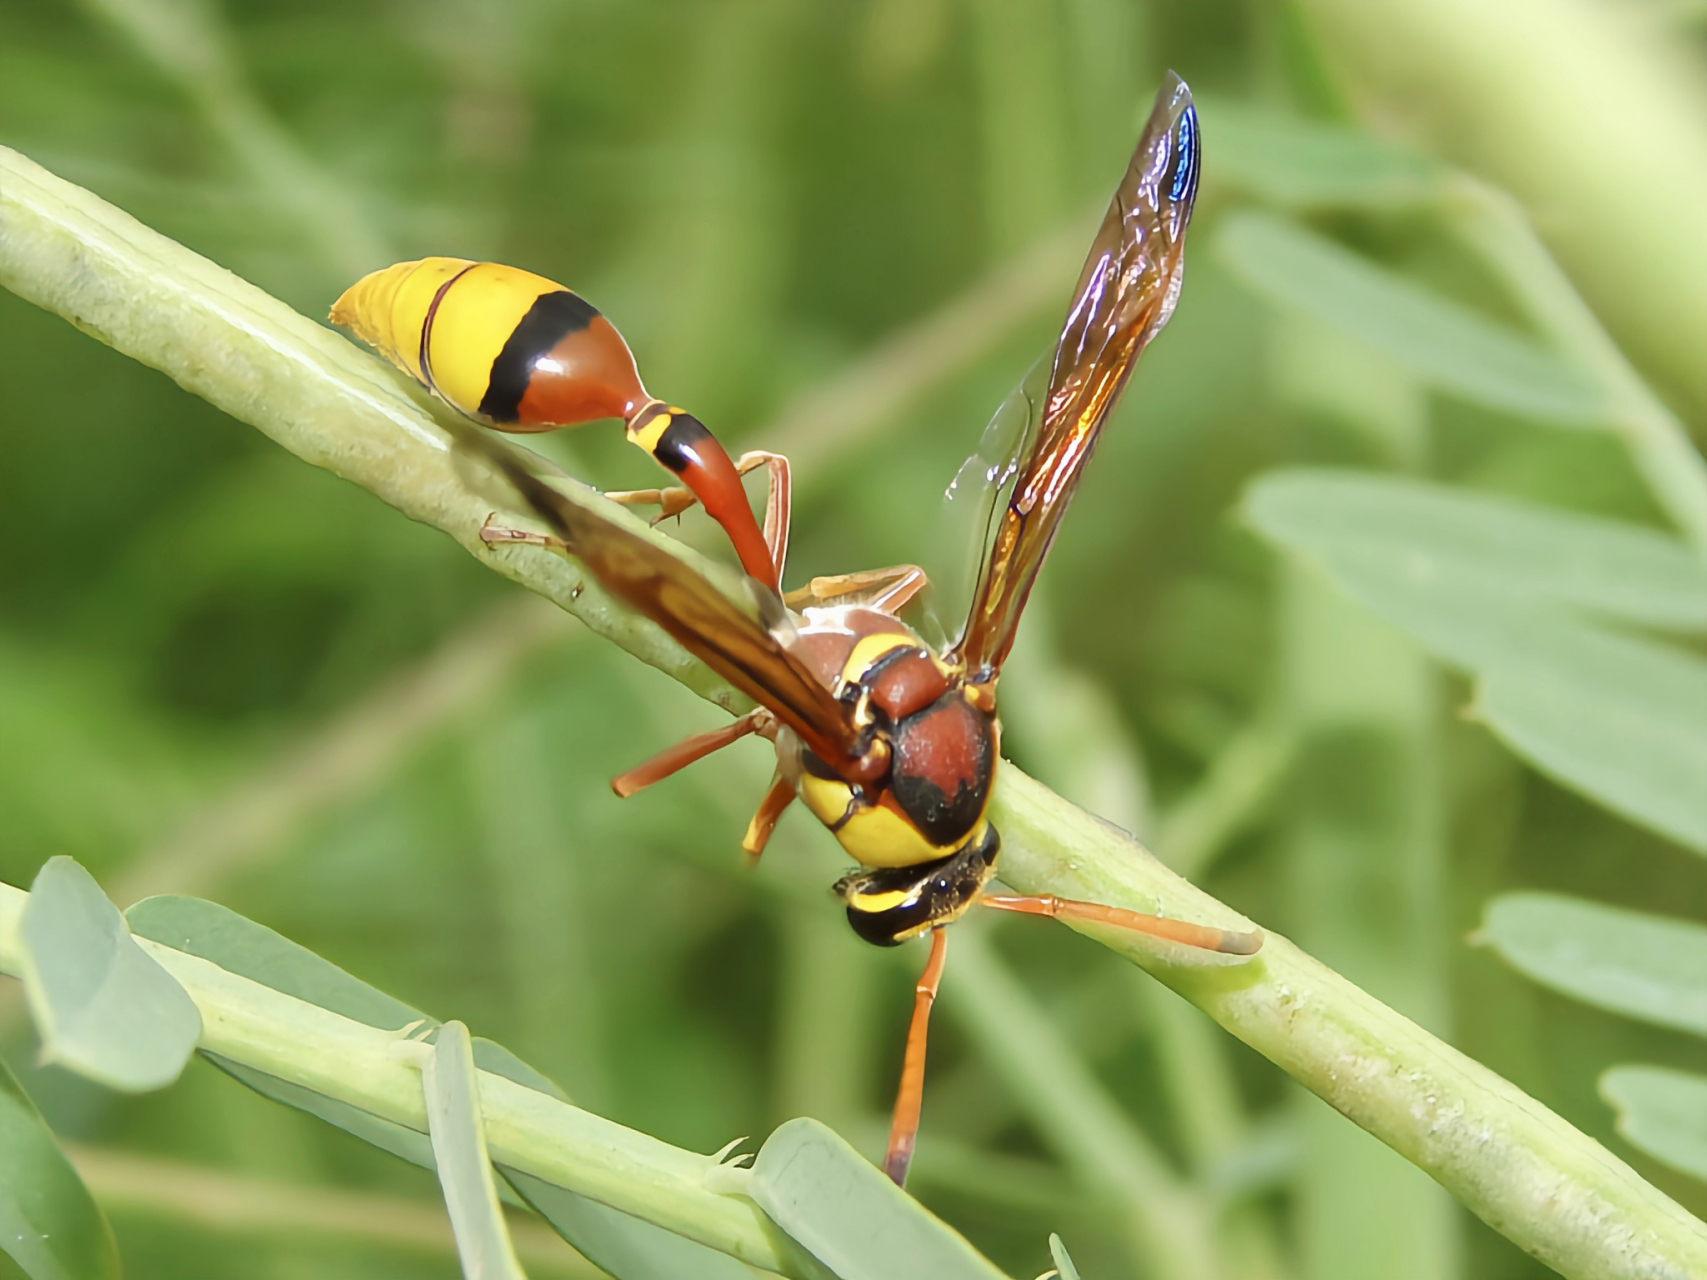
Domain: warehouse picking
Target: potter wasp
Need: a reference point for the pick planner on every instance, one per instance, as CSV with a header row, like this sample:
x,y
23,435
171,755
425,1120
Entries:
x,y
892,745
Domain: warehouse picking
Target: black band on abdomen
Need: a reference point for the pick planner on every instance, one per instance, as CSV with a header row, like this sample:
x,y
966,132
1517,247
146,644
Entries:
x,y
681,442
552,318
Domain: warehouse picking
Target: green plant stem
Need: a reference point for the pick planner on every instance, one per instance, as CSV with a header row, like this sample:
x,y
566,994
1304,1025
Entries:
x,y
301,384
304,1044
1572,105
1493,225
1533,1177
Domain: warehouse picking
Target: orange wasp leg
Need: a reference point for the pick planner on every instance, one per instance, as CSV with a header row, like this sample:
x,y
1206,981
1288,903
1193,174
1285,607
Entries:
x,y
910,1098
720,503
688,750
778,797
886,590
1232,942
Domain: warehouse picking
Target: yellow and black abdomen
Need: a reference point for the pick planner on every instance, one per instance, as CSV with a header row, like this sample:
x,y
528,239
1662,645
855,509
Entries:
x,y
501,344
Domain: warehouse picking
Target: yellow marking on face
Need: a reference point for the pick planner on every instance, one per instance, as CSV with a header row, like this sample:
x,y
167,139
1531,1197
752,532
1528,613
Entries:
x,y
881,901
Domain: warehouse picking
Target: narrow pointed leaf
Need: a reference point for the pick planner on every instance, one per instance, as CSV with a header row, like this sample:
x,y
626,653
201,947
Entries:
x,y
1063,1262
1449,346
1411,530
49,1224
102,1005
850,1216
1661,1112
1621,720
458,1132
625,1246
1644,966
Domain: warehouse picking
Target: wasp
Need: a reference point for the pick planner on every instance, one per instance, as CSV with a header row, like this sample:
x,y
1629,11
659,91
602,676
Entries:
x,y
890,744
520,353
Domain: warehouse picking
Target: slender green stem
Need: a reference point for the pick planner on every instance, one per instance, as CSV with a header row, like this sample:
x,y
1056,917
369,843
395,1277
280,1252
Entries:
x,y
1554,1191
1492,224
304,1044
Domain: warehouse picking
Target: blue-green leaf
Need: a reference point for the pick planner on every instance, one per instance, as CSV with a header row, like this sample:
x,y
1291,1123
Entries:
x,y
239,945
627,1247
1619,718
1063,1263
850,1216
104,1008
1644,966
1661,1112
49,1225
1622,720
1409,531
457,1129
1448,346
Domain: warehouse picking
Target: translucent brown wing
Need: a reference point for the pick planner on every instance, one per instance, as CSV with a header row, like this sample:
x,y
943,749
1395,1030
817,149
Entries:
x,y
706,621
1126,293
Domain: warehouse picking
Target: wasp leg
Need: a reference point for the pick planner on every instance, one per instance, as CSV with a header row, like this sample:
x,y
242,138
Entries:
x,y
777,797
910,1097
498,535
779,503
1233,942
670,502
688,750
887,590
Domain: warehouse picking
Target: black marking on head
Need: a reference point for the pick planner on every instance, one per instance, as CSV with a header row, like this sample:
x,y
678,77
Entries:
x,y
681,443
949,725
933,892
552,318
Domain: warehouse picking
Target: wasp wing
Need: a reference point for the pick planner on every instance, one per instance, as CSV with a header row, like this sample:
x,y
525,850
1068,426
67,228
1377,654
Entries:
x,y
708,622
1125,295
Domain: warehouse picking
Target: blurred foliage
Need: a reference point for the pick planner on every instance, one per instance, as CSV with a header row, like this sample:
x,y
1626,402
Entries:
x,y
756,192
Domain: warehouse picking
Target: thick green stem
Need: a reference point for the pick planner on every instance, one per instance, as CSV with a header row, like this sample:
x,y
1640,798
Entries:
x,y
304,1044
1524,1170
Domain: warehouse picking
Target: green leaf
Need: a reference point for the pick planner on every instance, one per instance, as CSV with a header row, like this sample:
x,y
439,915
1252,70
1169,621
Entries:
x,y
1411,531
1623,721
1661,1112
458,1133
400,1140
49,1224
1063,1263
239,945
102,1005
626,1247
1447,345
850,1216
1305,165
1644,966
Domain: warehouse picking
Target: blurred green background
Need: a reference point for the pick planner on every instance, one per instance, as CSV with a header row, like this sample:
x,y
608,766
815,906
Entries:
x,y
225,673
